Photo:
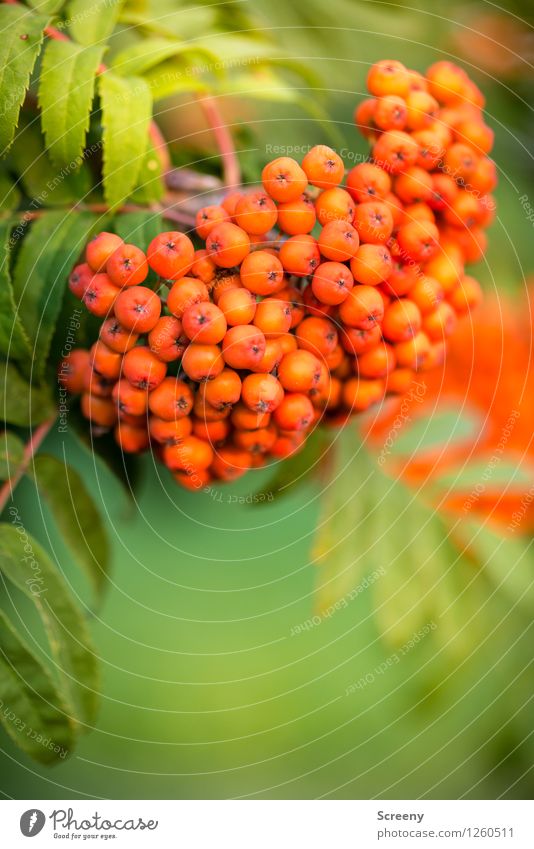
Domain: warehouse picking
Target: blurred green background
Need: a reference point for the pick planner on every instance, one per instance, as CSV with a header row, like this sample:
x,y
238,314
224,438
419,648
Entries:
x,y
207,691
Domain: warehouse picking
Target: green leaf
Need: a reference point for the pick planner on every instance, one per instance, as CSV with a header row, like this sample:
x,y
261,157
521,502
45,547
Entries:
x,y
93,21
298,469
45,184
47,255
371,523
11,454
170,78
75,514
22,36
9,192
146,54
49,7
103,452
34,573
14,342
33,711
66,89
20,403
151,188
139,227
126,114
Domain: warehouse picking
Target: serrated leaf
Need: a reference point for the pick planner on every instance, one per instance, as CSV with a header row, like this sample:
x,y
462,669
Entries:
x,y
297,469
169,78
93,21
126,112
34,713
46,185
22,36
44,261
20,403
75,514
11,454
151,187
138,227
66,89
40,580
14,342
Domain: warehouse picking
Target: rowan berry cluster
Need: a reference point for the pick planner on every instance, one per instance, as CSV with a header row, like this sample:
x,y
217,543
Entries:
x,y
306,300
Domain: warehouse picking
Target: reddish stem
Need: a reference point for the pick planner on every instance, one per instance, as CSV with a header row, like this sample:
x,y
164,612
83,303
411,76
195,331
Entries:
x,y
30,449
223,137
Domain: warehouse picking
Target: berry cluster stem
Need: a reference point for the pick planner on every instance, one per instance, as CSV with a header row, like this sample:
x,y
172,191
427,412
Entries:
x,y
223,137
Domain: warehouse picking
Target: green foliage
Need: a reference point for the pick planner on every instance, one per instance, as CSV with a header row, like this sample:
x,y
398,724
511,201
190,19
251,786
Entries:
x,y
126,109
22,35
14,341
38,719
11,454
21,403
71,70
92,21
75,514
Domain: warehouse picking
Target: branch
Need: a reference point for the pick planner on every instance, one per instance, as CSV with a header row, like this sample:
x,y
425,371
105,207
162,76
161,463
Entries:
x,y
30,449
223,137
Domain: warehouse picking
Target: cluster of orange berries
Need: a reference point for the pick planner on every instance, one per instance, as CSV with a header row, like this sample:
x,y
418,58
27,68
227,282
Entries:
x,y
307,300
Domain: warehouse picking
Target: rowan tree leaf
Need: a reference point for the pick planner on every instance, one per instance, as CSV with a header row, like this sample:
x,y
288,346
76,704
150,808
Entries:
x,y
44,261
75,514
49,7
146,54
22,36
126,113
21,403
150,187
297,469
14,341
71,648
11,454
66,90
34,712
93,21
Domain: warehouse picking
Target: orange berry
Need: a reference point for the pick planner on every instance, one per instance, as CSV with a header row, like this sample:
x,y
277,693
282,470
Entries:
x,y
402,320
283,179
137,309
413,353
422,110
427,293
202,362
356,341
395,151
245,419
171,400
100,248
400,379
418,240
101,411
190,455
440,323
143,369
205,323
255,213
207,218
230,463
295,412
228,244
184,294
446,81
300,255
213,432
359,394
272,356
72,369
100,295
238,306
273,317
296,217
166,339
460,161
363,308
171,255
334,205
388,77
127,266
364,117
390,112
116,336
378,362
414,185
299,371
132,439
203,267
368,182
104,360
317,335
338,241
262,273
374,222
262,393
224,390
129,399
466,295
371,264
332,282
323,167
169,432
243,346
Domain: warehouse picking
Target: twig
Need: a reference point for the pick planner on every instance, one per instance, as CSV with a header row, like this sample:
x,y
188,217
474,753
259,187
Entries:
x,y
223,137
30,449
